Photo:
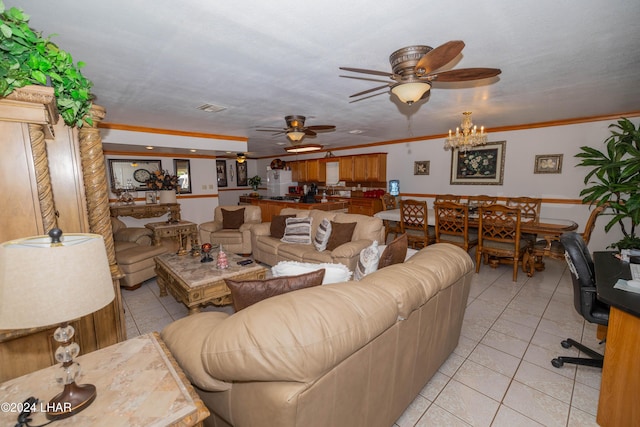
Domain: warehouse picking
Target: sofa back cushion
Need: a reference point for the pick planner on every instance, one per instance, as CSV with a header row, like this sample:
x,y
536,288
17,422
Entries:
x,y
248,292
232,219
298,336
251,213
341,233
278,225
367,228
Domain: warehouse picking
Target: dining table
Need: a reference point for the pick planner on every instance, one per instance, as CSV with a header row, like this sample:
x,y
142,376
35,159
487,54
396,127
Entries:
x,y
548,229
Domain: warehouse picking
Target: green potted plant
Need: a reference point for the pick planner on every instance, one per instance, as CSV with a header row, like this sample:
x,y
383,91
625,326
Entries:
x,y
28,58
254,182
614,178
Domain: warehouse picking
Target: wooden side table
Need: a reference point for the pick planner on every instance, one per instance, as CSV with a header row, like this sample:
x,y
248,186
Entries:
x,y
138,383
180,231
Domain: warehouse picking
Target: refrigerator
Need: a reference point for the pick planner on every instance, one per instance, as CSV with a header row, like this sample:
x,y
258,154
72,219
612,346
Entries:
x,y
278,182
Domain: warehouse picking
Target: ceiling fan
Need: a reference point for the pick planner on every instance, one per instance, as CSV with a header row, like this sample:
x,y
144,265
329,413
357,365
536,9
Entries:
x,y
415,68
296,130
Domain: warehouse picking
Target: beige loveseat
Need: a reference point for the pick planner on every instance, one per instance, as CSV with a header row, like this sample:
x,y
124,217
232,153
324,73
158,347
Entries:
x,y
271,250
233,240
347,354
135,253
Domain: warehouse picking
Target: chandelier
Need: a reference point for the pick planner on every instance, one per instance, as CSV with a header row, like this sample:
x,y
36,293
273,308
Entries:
x,y
468,138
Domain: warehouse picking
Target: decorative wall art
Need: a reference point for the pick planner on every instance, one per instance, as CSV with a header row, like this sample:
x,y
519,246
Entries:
x,y
151,197
183,171
221,172
241,174
548,163
421,167
482,165
132,174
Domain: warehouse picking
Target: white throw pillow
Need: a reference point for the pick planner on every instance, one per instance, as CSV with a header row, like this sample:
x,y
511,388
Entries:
x,y
322,235
334,273
297,230
367,261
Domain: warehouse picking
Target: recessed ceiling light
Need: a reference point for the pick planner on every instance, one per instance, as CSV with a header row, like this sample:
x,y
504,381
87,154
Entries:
x,y
193,151
281,143
356,131
148,147
211,108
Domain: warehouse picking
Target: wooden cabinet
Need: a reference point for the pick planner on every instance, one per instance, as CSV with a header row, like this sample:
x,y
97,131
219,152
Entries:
x,y
364,206
58,179
312,170
298,170
370,168
346,168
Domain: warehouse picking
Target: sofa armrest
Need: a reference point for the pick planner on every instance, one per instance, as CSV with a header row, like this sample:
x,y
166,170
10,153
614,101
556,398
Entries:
x,y
350,249
248,225
210,226
262,229
138,235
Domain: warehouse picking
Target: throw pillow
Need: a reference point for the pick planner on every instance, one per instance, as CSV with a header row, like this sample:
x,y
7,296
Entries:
x,y
367,261
334,272
278,224
297,230
322,235
395,252
247,292
341,233
232,219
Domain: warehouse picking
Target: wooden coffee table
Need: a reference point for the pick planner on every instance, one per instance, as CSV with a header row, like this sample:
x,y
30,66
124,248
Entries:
x,y
196,283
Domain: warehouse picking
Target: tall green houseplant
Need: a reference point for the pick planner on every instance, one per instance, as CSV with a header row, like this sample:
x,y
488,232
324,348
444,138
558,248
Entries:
x,y
28,58
614,178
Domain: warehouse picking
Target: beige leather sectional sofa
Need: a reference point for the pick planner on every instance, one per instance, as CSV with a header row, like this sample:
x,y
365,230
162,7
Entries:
x,y
347,354
270,250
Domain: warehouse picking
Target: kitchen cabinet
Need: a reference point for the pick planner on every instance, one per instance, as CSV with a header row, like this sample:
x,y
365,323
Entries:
x,y
312,170
58,179
345,168
370,168
365,205
298,170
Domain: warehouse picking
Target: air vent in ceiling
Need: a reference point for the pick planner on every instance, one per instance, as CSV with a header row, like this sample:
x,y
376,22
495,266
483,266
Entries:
x,y
211,108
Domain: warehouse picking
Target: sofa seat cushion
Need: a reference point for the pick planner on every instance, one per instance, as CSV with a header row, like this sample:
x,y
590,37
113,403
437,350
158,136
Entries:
x,y
295,251
245,293
334,273
268,244
298,336
138,254
315,256
227,236
184,346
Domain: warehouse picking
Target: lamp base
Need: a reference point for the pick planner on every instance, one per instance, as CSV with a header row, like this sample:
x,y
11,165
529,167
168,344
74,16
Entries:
x,y
73,399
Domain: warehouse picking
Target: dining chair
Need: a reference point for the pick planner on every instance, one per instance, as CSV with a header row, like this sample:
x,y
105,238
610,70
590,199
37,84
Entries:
x,y
499,237
390,202
447,198
452,225
414,221
530,210
481,199
553,247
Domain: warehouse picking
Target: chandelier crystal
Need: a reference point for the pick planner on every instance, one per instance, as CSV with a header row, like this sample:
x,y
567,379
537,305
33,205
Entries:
x,y
468,138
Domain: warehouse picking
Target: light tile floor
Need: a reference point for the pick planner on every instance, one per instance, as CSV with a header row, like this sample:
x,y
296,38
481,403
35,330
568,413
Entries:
x,y
500,374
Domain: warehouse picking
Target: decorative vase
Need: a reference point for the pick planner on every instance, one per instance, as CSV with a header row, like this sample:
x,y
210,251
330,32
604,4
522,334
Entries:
x,y
167,196
222,263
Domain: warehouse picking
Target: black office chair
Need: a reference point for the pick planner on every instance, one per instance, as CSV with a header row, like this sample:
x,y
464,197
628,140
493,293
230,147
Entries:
x,y
584,298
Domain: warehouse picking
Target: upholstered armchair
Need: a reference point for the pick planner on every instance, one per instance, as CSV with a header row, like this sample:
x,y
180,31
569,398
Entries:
x,y
231,227
134,253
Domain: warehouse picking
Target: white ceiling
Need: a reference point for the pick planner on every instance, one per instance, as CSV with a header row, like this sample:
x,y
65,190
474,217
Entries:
x,y
153,62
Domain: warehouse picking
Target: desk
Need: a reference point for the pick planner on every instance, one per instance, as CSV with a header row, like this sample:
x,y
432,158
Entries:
x,y
620,387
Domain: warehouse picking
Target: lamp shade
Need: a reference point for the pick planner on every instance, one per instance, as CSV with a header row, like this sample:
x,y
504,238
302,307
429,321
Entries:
x,y
43,284
410,92
295,136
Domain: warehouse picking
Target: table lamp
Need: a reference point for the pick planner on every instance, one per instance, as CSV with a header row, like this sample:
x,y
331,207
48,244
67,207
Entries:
x,y
46,280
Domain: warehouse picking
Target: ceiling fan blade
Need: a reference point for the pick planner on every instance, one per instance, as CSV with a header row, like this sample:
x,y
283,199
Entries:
x,y
374,72
439,57
464,74
321,127
367,97
309,132
370,90
278,130
363,78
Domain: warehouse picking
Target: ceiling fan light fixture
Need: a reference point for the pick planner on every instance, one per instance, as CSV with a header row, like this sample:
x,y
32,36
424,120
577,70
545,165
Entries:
x,y
240,158
295,135
410,92
303,148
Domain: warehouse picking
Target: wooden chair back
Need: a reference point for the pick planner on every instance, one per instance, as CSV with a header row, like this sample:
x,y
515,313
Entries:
x,y
529,207
452,225
448,198
591,222
414,221
388,202
481,199
499,236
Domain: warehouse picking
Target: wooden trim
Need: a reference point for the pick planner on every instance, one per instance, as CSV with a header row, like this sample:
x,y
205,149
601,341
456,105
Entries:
x,y
500,198
178,196
151,153
130,128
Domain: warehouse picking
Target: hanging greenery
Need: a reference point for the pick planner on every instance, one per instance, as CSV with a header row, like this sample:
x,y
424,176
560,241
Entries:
x,y
615,179
28,58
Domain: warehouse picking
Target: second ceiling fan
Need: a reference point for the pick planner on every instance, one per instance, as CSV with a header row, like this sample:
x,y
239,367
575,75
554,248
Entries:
x,y
296,130
415,68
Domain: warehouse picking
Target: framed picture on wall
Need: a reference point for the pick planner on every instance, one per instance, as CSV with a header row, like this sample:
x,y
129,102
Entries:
x,y
421,167
482,165
548,163
241,174
221,172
